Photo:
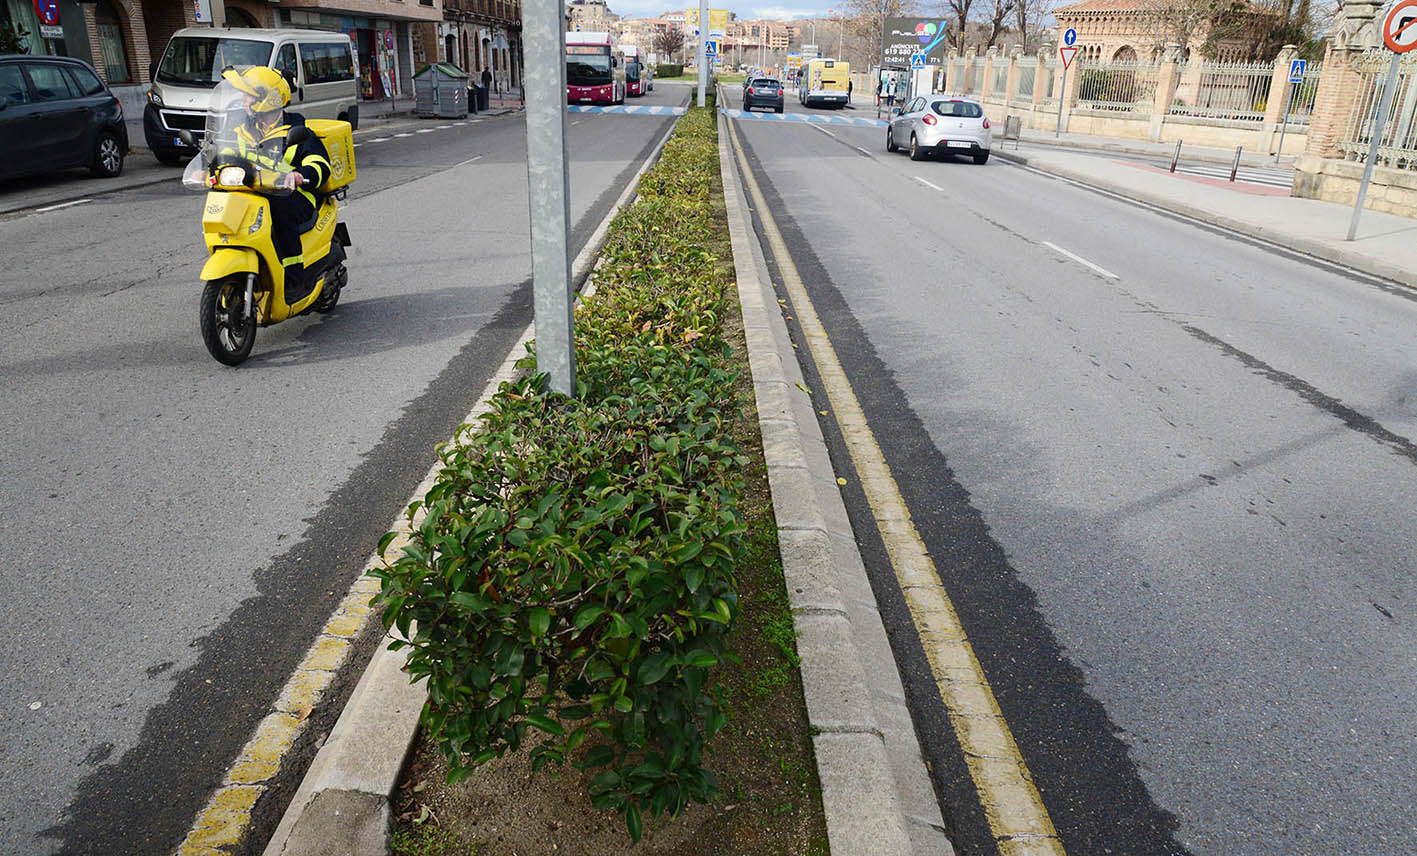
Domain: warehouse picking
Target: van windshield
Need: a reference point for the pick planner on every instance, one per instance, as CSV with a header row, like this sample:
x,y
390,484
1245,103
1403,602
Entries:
x,y
198,61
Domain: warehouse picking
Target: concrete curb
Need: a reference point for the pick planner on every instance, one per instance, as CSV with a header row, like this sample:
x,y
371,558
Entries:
x,y
1297,243
876,791
342,806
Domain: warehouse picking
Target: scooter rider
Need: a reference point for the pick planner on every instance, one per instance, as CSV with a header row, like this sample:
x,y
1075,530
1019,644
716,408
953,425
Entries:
x,y
265,96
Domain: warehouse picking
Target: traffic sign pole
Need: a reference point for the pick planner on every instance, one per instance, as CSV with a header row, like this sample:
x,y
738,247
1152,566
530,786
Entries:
x,y
1383,99
1067,51
1284,122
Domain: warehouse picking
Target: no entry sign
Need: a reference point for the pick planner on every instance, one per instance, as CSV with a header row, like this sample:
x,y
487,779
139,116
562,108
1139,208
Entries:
x,y
1400,28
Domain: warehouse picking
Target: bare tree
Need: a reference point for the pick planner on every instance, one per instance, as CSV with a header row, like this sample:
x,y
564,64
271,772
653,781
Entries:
x,y
865,20
958,11
997,14
669,42
1028,14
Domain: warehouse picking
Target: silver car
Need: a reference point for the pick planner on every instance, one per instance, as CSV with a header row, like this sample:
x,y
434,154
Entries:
x,y
940,124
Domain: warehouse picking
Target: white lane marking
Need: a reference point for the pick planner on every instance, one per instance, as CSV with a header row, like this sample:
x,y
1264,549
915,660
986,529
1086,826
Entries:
x,y
928,184
379,140
458,124
823,130
577,122
862,151
468,161
1080,260
422,131
357,145
61,205
403,135
442,127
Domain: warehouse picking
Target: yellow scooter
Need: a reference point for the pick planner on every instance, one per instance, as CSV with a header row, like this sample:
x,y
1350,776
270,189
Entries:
x,y
245,280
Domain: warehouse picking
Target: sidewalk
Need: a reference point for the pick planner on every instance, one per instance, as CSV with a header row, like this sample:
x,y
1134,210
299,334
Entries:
x,y
1122,145
1386,245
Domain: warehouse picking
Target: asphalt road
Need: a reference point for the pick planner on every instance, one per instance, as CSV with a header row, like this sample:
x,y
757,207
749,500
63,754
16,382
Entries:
x,y
1167,476
174,531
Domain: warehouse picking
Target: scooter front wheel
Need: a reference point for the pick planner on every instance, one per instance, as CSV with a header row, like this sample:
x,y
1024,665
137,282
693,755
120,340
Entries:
x,y
228,330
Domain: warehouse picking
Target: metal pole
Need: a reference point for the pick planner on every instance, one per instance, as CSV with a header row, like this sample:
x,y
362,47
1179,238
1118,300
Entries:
x,y
703,52
1284,123
1062,96
1176,157
1383,99
1235,167
544,43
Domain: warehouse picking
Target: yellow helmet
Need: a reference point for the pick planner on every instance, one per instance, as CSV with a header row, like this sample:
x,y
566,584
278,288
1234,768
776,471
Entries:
x,y
262,83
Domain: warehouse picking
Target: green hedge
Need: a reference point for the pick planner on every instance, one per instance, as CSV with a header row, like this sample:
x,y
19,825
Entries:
x,y
663,70
574,573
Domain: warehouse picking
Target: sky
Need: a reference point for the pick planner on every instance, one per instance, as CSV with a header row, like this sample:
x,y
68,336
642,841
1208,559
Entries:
x,y
780,10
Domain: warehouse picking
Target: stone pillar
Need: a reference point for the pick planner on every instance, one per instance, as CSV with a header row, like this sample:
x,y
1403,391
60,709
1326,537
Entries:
x,y
1167,78
1277,101
988,81
1040,73
952,76
1011,83
1069,94
1354,30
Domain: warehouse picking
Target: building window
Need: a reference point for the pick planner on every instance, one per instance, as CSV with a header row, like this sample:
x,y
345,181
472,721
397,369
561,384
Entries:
x,y
111,46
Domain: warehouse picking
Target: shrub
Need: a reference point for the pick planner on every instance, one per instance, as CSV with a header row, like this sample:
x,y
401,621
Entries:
x,y
573,572
665,70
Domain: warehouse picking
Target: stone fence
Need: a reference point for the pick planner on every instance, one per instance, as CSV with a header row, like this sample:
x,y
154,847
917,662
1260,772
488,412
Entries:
x,y
1202,103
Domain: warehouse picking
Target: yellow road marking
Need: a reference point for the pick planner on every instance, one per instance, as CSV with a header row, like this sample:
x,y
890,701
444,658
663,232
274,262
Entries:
x,y
1017,817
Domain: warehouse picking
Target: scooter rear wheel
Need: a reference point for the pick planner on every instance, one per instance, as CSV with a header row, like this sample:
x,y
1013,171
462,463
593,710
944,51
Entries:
x,y
228,330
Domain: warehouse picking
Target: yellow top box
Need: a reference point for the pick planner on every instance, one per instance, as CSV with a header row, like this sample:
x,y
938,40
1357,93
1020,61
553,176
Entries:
x,y
338,138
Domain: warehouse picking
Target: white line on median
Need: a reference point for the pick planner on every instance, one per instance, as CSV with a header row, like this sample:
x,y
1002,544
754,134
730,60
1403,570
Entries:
x,y
468,161
403,135
422,131
823,130
61,205
928,184
862,151
1080,260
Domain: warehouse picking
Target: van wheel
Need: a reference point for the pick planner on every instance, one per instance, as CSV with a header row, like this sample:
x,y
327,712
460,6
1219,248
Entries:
x,y
107,156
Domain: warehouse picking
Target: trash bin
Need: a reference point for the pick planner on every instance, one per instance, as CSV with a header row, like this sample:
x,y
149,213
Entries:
x,y
471,97
482,96
440,90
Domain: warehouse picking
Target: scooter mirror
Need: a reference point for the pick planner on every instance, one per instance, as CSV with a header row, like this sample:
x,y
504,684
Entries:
x,y
187,138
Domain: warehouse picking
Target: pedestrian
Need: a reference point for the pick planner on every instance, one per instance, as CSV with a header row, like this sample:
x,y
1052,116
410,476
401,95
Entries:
x,y
848,90
880,91
890,94
487,79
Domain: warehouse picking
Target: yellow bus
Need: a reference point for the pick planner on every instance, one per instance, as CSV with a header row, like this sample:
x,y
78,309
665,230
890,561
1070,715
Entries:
x,y
824,82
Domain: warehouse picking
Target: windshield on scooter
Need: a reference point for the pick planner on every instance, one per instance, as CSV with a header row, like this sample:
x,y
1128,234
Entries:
x,y
238,150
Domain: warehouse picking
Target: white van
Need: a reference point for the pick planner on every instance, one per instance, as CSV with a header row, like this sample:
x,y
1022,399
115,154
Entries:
x,y
321,66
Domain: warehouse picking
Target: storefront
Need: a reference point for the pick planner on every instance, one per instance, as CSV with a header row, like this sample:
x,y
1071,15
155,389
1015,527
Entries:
x,y
48,27
383,46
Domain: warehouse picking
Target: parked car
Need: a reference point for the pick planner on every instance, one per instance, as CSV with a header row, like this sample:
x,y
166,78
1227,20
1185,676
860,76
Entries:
x,y
55,114
940,124
321,67
762,92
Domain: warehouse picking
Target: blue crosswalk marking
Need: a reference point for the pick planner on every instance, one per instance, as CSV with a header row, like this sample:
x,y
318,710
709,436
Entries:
x,y
814,118
626,109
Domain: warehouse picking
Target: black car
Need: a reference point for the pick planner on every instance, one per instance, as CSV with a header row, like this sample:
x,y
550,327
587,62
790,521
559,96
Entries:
x,y
55,113
763,92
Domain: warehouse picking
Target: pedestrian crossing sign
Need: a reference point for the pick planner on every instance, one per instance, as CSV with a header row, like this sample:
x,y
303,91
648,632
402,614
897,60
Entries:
x,y
711,47
917,60
1296,70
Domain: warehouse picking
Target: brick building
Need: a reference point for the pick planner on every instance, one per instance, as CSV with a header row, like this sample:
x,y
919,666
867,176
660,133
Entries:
x,y
1141,29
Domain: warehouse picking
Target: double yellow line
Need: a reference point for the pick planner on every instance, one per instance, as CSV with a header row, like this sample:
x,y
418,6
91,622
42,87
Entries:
x,y
1017,818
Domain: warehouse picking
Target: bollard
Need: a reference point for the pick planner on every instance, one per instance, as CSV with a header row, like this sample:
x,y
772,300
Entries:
x,y
1235,167
1176,156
